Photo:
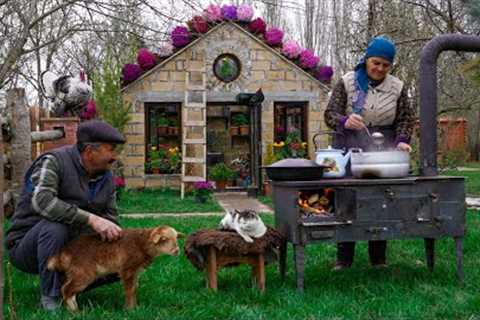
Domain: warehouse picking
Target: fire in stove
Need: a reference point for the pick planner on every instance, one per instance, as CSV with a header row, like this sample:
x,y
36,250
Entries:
x,y
317,203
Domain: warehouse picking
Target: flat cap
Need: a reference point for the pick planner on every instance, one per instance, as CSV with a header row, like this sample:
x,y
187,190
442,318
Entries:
x,y
98,131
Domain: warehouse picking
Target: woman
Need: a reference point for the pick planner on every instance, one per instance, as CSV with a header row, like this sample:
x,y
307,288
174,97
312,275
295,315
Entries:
x,y
369,97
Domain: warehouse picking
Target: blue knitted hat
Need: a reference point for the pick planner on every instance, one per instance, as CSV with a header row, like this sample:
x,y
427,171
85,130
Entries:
x,y
381,47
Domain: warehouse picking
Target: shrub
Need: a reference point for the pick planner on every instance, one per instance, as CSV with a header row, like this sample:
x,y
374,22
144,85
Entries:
x,y
221,172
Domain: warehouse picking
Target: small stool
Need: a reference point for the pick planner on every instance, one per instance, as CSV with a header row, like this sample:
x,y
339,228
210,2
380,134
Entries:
x,y
217,259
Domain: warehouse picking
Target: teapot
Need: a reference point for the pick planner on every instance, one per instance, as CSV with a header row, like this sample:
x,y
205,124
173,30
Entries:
x,y
334,159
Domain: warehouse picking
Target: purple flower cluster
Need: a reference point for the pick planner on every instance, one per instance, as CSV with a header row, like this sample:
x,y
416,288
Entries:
x,y
324,73
180,36
274,36
308,60
90,111
165,49
146,60
257,26
229,12
130,72
203,185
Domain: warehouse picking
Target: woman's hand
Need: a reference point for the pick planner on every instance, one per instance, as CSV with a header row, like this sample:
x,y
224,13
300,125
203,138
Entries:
x,y
354,122
402,146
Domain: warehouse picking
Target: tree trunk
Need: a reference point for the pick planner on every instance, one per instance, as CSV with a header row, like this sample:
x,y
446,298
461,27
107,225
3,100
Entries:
x,y
21,141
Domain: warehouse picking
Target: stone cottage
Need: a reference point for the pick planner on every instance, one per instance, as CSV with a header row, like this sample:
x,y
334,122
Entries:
x,y
186,109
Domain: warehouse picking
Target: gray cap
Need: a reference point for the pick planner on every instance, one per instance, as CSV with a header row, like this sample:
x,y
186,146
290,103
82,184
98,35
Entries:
x,y
98,131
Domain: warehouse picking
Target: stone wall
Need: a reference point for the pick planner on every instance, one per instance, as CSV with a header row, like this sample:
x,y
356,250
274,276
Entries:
x,y
262,67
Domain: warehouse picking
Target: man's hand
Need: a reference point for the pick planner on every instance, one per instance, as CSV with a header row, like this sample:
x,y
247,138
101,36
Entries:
x,y
402,146
106,229
354,122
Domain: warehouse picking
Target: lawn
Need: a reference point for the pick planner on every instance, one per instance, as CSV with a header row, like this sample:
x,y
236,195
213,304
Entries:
x,y
162,201
472,180
172,289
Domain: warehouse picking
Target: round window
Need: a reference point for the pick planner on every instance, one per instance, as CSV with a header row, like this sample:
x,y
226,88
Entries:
x,y
227,67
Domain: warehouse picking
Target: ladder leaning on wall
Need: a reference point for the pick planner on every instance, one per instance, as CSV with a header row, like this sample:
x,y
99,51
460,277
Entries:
x,y
194,126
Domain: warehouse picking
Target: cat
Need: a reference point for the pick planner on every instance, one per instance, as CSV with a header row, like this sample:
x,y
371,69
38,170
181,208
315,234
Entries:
x,y
246,223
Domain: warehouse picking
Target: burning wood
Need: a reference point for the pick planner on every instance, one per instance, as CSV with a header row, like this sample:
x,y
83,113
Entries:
x,y
318,203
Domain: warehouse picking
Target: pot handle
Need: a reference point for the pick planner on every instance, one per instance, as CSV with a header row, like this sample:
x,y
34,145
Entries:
x,y
322,133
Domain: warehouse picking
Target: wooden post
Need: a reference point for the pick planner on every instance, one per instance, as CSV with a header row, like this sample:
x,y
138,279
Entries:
x,y
212,269
2,222
261,273
21,140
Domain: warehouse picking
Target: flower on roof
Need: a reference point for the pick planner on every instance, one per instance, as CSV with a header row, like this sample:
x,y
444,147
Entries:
x,y
245,12
213,13
165,49
229,12
274,36
291,49
324,73
308,60
146,59
130,72
180,36
198,24
257,26
90,111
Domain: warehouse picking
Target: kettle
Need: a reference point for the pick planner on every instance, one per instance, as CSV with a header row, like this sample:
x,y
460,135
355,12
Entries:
x,y
334,160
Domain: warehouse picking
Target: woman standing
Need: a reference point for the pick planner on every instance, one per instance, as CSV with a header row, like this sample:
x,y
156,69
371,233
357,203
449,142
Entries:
x,y
369,97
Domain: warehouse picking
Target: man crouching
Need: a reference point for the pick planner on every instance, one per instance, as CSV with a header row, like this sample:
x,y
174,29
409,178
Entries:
x,y
67,192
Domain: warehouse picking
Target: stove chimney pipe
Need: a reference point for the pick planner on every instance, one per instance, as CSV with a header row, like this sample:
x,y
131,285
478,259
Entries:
x,y
428,92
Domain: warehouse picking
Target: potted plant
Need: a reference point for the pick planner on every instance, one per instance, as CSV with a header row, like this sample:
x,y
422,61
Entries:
x,y
172,127
157,160
202,190
174,160
221,174
162,125
242,122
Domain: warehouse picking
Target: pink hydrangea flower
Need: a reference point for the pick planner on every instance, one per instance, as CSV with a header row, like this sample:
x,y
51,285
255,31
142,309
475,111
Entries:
x,y
198,24
146,59
213,13
308,60
274,36
257,26
165,49
291,49
229,12
245,12
130,72
180,36
324,73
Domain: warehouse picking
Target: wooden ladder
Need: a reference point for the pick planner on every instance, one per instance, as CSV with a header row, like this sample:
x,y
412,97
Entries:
x,y
194,126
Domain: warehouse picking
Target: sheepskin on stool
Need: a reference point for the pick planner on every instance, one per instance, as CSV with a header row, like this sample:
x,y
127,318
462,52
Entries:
x,y
211,250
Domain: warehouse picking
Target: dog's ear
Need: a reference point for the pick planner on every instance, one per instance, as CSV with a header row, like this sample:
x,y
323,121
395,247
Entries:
x,y
180,235
158,235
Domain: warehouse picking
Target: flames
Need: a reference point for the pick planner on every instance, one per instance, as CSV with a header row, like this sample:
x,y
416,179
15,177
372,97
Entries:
x,y
316,203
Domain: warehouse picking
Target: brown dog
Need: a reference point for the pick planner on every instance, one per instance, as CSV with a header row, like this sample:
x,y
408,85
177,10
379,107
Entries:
x,y
88,257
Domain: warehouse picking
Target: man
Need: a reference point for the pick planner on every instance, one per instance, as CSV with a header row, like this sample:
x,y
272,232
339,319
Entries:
x,y
66,191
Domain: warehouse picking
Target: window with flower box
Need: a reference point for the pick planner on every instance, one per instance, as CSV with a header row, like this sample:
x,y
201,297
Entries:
x,y
290,130
163,138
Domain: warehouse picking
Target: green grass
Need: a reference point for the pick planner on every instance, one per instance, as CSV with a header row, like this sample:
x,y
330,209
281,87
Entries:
x,y
266,200
162,201
172,289
472,180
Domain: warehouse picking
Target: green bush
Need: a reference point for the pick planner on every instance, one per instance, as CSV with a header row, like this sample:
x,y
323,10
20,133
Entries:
x,y
221,172
452,159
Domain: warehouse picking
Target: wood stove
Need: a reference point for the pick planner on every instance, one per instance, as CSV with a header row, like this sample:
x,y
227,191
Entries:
x,y
426,206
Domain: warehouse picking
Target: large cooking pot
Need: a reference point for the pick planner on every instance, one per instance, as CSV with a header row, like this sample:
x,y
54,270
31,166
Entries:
x,y
379,164
294,169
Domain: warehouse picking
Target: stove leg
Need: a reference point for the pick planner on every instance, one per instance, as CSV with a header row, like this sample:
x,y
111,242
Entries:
x,y
299,256
430,253
282,264
459,254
